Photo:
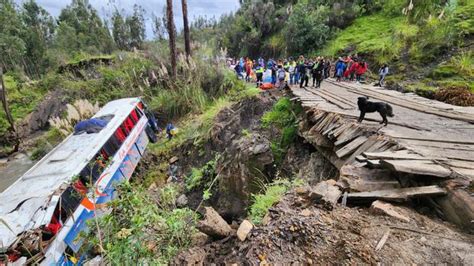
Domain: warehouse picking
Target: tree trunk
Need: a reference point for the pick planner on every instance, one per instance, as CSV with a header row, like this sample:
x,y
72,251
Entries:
x,y
171,35
3,96
187,37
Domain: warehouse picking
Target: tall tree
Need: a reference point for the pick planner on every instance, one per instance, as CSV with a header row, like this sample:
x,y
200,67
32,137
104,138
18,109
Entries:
x,y
187,37
171,35
120,31
12,46
39,25
136,26
159,27
91,33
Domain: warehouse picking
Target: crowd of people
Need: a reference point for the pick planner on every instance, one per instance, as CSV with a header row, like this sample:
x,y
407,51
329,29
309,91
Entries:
x,y
271,73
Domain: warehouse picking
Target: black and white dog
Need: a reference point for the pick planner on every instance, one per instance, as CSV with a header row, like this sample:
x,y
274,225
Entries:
x,y
366,106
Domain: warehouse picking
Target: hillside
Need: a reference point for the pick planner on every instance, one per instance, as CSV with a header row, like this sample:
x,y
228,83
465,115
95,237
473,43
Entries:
x,y
427,44
247,176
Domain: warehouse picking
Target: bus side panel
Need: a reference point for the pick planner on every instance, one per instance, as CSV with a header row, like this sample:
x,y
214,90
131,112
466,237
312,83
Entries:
x,y
79,225
130,162
142,142
110,191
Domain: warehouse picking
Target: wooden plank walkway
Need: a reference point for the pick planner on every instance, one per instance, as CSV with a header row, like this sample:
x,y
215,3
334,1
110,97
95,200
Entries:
x,y
426,143
440,133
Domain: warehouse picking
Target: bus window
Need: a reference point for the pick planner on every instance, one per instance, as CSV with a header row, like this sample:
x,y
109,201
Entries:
x,y
70,199
112,146
120,135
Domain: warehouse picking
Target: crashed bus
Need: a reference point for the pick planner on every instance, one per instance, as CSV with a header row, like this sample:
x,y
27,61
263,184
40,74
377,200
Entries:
x,y
43,212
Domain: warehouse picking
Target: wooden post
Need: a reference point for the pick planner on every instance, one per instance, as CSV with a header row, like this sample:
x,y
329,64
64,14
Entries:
x,y
187,37
171,36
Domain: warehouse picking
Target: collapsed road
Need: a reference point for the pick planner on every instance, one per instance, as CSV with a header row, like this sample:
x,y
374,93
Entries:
x,y
426,151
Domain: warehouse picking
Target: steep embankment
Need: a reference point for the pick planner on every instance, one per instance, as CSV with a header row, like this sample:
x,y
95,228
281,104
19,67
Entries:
x,y
426,53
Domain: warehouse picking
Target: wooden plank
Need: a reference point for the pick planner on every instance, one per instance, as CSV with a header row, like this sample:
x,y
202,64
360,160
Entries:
x,y
417,167
466,117
400,194
397,155
469,173
352,146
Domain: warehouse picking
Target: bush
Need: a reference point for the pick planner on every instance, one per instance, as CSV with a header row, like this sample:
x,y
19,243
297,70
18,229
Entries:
x,y
137,231
284,117
456,95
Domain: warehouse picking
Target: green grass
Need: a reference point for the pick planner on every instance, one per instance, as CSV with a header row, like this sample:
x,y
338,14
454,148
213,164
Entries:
x,y
22,99
271,194
196,127
283,116
372,35
139,231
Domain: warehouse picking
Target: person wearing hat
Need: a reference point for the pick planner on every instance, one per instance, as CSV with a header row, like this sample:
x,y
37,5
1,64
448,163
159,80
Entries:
x,y
173,170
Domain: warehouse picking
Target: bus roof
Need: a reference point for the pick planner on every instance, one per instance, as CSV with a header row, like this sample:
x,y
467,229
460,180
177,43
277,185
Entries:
x,y
22,204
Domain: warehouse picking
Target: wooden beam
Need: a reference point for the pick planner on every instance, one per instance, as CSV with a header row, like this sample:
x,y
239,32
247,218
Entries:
x,y
352,146
417,167
400,194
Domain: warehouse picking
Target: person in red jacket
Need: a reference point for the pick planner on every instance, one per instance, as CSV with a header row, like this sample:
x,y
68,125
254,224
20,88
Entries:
x,y
352,70
360,70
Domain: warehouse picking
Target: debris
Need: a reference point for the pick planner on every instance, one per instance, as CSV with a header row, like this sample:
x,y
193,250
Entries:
x,y
380,207
326,192
213,224
173,159
199,239
305,213
266,219
400,194
96,261
382,240
182,201
244,229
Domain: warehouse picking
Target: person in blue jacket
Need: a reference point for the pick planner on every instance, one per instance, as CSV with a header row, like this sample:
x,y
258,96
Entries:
x,y
340,66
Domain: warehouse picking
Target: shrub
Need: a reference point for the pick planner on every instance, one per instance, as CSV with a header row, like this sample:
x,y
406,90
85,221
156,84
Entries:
x,y
137,231
456,95
284,117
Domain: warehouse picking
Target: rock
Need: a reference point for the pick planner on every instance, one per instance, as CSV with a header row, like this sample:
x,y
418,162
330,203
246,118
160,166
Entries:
x,y
331,182
244,229
213,224
380,207
266,219
326,192
199,239
3,162
153,187
182,201
305,213
193,256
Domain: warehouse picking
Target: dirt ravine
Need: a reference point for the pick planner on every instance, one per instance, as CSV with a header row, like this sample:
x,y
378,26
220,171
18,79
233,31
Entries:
x,y
299,229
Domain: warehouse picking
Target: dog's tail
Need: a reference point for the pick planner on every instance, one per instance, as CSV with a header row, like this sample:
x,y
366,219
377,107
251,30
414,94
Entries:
x,y
389,111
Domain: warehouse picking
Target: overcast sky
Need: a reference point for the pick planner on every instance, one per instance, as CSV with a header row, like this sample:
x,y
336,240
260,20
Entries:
x,y
196,8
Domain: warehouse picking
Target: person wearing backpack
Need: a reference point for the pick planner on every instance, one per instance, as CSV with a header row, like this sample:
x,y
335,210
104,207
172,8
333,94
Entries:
x,y
259,73
319,73
281,74
383,71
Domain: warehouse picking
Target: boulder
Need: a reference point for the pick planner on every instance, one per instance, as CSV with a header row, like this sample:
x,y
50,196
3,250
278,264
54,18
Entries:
x,y
381,207
244,229
199,239
213,224
327,192
182,201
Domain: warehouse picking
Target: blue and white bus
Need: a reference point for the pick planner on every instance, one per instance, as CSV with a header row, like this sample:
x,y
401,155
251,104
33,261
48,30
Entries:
x,y
52,202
